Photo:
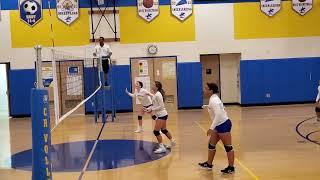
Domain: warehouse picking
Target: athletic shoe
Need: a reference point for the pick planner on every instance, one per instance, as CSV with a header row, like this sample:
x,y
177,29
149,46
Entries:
x,y
139,130
205,165
228,170
160,150
172,144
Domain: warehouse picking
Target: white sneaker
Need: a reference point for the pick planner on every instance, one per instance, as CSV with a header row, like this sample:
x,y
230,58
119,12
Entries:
x,y
172,144
139,130
160,150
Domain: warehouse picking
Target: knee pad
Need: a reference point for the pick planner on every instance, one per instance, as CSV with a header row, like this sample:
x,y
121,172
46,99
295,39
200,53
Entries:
x,y
156,133
211,147
228,148
317,109
154,117
164,131
139,117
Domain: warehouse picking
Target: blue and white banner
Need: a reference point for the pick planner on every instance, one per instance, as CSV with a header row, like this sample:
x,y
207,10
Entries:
x,y
30,11
181,9
302,6
270,7
148,9
68,10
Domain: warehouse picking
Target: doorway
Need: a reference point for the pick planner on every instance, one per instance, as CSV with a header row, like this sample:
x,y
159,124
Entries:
x,y
4,93
224,70
210,72
148,70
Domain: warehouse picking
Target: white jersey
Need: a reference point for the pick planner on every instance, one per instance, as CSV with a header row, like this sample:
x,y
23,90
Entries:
x,y
142,96
216,111
318,96
103,51
158,105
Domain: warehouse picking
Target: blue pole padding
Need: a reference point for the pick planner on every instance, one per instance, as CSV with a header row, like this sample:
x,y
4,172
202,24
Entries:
x,y
103,109
41,135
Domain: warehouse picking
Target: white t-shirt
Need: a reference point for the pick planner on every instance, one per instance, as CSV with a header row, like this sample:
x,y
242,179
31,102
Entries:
x,y
158,105
216,111
105,50
318,96
143,97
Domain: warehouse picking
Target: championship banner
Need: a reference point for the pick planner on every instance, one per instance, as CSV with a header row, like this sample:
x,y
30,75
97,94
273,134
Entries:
x,y
68,10
30,11
302,6
270,7
148,9
181,9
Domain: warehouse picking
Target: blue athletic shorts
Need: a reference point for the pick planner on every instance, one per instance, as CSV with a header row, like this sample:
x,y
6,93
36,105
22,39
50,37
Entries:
x,y
224,127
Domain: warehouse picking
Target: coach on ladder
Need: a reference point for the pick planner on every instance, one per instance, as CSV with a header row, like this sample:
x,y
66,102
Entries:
x,y
104,52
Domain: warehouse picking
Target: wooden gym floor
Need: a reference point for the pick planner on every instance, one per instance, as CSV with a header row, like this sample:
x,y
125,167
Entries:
x,y
265,139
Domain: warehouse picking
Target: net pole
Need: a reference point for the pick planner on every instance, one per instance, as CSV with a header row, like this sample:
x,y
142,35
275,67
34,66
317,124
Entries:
x,y
95,104
41,135
113,106
55,88
39,83
102,82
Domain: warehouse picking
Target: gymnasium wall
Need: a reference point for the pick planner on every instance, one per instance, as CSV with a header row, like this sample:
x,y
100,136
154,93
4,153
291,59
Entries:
x,y
216,27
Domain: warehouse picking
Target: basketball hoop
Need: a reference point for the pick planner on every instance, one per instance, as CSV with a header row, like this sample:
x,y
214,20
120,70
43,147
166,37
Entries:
x,y
100,2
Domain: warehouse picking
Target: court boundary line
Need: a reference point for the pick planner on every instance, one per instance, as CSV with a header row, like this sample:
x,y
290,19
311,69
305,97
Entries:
x,y
236,159
306,137
311,134
91,153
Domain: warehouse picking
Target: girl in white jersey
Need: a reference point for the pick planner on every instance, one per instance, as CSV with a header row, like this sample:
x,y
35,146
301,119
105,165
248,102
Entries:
x,y
317,108
219,130
162,116
143,96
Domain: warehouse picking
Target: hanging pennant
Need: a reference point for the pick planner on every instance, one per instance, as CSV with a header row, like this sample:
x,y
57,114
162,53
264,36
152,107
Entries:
x,y
30,11
302,6
68,10
270,7
181,9
148,9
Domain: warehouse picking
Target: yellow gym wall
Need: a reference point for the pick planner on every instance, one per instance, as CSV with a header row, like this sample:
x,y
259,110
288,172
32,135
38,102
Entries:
x,y
23,36
164,28
251,23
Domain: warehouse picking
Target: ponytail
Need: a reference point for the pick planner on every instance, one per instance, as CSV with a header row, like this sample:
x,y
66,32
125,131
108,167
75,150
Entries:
x,y
159,88
163,93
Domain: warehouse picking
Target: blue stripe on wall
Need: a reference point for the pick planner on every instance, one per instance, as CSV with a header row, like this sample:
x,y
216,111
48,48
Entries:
x,y
189,85
90,84
286,80
21,82
13,4
122,80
